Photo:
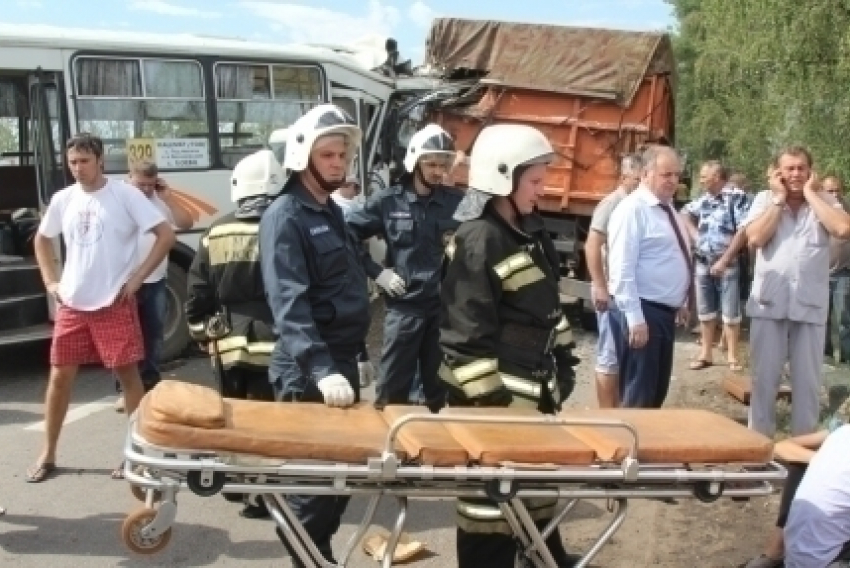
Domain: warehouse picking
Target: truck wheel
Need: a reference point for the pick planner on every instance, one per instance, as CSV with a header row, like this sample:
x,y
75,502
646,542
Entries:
x,y
176,330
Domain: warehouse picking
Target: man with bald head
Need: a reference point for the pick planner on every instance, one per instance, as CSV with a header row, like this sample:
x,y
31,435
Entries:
x,y
650,280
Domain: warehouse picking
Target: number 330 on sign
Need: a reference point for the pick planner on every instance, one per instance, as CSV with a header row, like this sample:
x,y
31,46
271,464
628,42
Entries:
x,y
141,150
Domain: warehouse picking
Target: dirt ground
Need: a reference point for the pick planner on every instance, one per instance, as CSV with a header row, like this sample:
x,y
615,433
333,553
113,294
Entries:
x,y
685,534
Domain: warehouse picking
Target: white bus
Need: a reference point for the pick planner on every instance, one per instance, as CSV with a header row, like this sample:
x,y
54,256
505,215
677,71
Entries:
x,y
194,105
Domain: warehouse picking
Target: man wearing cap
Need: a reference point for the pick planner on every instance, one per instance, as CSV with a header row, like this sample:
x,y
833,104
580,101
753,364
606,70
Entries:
x,y
415,219
225,288
315,284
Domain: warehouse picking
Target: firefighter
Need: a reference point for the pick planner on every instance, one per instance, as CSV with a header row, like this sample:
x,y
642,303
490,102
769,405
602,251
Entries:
x,y
316,286
415,219
225,283
504,338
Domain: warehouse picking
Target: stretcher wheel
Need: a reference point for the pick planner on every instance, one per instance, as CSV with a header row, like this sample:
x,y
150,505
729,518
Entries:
x,y
493,488
195,483
131,533
703,491
141,494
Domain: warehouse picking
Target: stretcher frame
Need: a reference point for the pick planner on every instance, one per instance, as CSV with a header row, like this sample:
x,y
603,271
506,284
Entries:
x,y
157,474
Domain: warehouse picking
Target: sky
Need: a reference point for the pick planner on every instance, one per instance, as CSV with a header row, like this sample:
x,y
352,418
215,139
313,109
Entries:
x,y
326,21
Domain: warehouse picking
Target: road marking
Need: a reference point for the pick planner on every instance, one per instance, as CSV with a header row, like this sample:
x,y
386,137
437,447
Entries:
x,y
77,413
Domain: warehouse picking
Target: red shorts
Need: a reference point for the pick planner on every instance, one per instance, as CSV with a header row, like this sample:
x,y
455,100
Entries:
x,y
110,336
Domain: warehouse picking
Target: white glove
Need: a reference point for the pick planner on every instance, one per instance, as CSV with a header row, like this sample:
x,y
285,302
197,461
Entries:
x,y
391,282
367,373
336,391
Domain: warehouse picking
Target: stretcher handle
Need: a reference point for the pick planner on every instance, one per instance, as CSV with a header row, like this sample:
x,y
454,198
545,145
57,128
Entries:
x,y
544,420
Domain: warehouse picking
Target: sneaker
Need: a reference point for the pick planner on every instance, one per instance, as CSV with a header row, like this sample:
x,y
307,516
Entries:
x,y
119,404
764,561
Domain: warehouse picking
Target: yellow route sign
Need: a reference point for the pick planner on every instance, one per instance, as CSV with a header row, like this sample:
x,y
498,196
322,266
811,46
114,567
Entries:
x,y
141,150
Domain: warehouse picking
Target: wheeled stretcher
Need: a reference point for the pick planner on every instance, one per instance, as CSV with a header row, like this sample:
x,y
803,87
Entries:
x,y
187,436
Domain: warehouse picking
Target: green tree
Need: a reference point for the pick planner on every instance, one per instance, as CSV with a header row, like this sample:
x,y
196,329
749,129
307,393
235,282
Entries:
x,y
755,76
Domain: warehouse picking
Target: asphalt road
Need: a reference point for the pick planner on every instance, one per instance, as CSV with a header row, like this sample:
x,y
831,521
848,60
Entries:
x,y
74,519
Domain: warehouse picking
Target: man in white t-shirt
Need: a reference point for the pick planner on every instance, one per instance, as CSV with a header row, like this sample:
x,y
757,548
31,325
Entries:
x,y
151,297
97,320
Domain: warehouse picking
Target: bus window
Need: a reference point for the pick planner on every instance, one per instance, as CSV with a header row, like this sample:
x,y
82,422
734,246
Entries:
x,y
253,100
126,98
13,116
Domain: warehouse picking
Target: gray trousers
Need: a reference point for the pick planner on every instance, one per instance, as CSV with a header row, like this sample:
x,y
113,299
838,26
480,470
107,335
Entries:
x,y
772,343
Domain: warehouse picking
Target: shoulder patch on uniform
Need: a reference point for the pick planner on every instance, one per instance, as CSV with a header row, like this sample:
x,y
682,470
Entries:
x,y
319,230
400,215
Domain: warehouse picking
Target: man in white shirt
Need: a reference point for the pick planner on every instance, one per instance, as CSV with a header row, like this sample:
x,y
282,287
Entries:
x,y
151,297
97,319
650,280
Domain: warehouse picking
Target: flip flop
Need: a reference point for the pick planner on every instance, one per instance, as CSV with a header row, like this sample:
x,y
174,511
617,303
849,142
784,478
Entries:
x,y
699,364
40,472
118,472
735,367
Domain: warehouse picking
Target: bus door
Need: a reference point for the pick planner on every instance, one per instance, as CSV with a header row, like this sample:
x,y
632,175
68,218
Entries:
x,y
47,135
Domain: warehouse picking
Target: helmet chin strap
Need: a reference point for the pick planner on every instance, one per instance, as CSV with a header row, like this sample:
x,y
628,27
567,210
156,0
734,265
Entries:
x,y
519,215
327,186
417,171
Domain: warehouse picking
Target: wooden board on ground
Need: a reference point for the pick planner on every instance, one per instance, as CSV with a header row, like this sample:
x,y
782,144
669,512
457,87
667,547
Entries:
x,y
740,387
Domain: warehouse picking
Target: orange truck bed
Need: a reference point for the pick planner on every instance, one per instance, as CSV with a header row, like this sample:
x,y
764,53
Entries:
x,y
597,94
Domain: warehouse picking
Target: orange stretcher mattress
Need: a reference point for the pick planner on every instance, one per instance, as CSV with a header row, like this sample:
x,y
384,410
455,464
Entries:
x,y
427,443
184,416
493,444
181,415
673,435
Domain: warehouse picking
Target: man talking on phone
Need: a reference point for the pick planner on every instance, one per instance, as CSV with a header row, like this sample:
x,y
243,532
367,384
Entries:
x,y
790,225
151,297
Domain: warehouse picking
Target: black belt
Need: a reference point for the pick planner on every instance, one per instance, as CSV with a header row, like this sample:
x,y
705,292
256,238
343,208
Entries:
x,y
660,306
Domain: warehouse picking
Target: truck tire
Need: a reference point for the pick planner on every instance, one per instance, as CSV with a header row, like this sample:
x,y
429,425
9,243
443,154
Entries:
x,y
176,330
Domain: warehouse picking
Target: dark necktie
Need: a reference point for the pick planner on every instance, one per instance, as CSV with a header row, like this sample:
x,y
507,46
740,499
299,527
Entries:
x,y
682,246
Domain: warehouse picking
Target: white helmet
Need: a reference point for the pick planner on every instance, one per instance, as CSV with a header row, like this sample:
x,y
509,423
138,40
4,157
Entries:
x,y
499,150
277,142
430,140
320,121
257,174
